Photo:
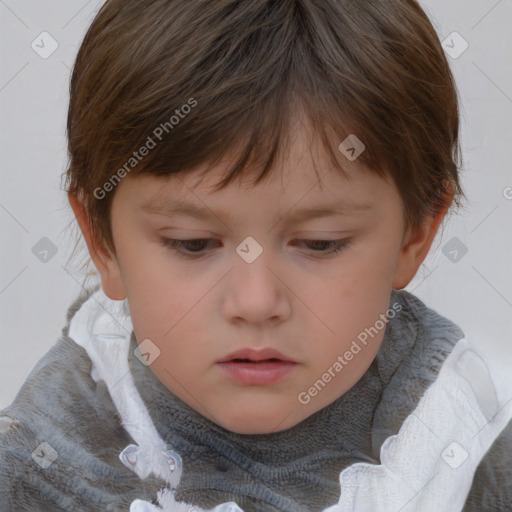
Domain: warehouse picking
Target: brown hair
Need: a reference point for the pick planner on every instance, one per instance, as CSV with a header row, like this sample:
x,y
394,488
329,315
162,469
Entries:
x,y
242,69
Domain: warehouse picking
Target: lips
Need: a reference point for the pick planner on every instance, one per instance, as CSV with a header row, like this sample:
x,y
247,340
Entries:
x,y
255,355
256,367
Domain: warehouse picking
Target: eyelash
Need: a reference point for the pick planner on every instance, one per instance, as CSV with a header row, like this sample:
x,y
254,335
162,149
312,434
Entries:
x,y
175,244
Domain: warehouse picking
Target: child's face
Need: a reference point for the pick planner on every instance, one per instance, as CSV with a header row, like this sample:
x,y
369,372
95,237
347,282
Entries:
x,y
294,298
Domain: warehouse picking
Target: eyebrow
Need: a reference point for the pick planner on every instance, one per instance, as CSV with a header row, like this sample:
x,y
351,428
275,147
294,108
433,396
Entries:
x,y
179,207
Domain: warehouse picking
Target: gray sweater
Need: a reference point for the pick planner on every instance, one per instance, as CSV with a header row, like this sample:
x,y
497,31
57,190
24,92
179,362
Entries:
x,y
296,470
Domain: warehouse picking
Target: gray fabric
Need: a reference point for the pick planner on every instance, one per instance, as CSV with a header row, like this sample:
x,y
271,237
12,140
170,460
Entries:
x,y
295,470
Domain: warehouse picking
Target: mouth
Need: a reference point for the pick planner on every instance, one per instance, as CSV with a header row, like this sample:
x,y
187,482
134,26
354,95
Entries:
x,y
251,355
256,367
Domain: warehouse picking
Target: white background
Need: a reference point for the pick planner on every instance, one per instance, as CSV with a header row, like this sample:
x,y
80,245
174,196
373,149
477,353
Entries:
x,y
475,292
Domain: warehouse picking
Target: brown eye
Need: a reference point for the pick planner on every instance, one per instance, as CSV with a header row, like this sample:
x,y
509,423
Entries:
x,y
326,247
186,247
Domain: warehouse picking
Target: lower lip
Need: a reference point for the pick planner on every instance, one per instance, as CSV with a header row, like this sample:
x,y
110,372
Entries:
x,y
257,374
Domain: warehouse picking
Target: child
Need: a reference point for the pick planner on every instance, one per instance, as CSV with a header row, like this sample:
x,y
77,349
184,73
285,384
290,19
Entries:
x,y
256,182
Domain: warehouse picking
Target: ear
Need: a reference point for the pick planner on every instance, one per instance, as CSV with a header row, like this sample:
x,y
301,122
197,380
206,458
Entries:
x,y
417,242
103,259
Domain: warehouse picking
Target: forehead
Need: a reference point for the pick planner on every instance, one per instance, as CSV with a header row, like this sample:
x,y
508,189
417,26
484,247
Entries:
x,y
297,196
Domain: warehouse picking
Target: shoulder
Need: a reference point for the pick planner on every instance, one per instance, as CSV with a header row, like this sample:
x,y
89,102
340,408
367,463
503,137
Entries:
x,y
418,366
61,437
416,343
492,483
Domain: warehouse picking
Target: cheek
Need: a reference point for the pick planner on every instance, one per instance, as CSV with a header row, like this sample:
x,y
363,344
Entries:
x,y
166,309
151,280
374,265
351,298
162,312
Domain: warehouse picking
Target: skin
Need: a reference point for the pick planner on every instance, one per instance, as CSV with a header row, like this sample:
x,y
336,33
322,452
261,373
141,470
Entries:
x,y
294,297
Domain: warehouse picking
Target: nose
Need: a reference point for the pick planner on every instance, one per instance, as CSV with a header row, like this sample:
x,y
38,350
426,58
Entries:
x,y
256,293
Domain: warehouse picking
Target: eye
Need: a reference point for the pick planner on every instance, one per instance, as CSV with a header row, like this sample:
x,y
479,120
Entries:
x,y
327,247
195,247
